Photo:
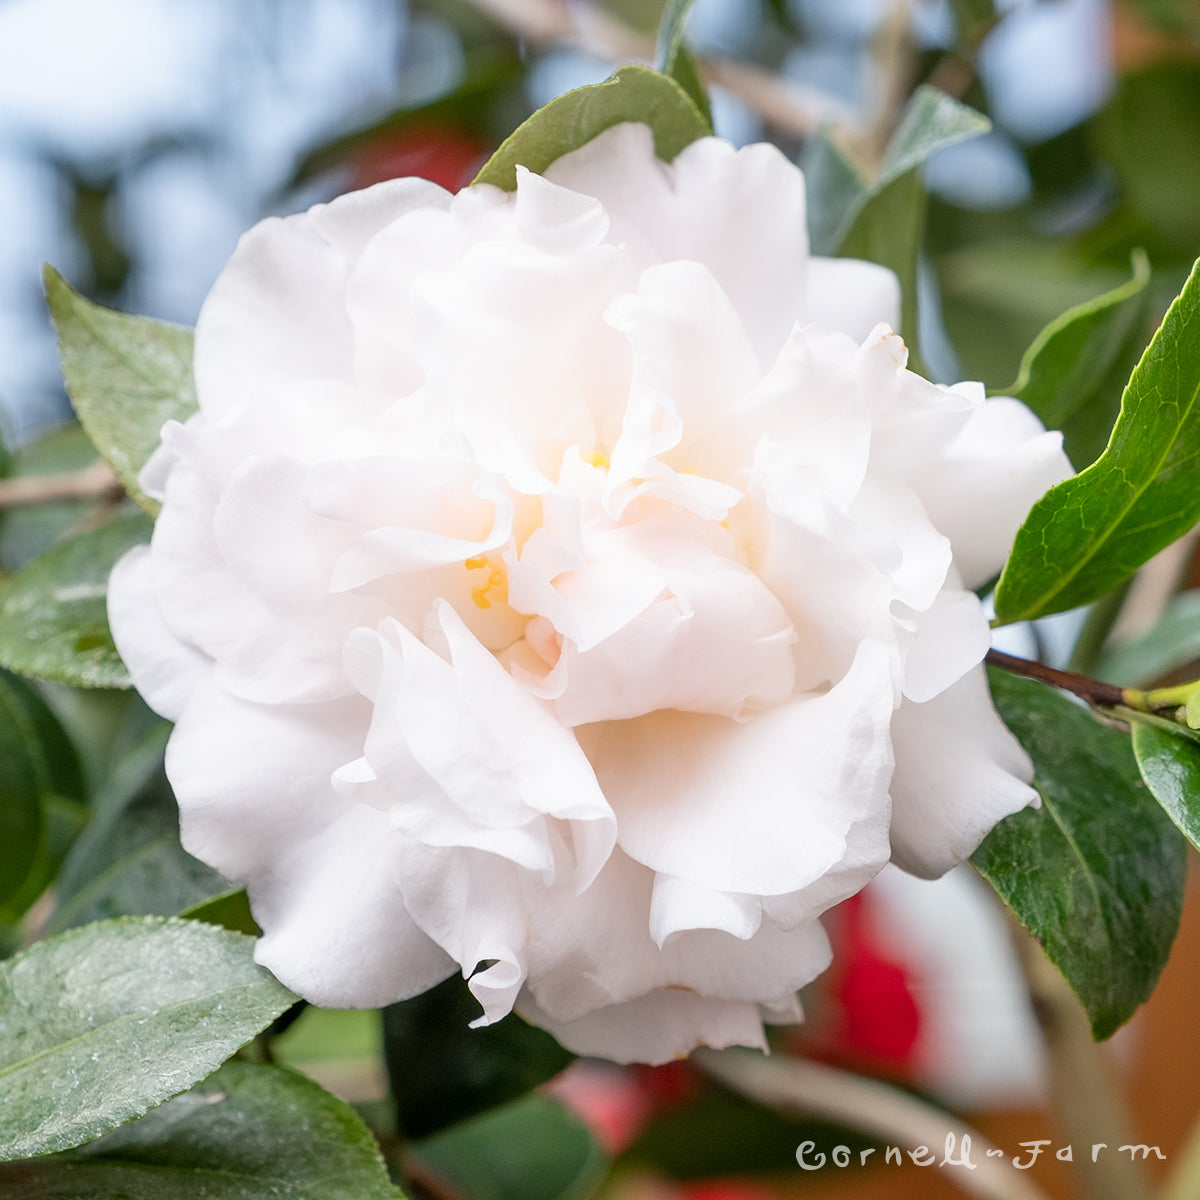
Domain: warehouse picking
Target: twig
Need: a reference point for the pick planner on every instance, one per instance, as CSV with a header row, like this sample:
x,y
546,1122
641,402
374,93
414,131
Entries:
x,y
895,62
94,481
873,1107
1094,691
1172,705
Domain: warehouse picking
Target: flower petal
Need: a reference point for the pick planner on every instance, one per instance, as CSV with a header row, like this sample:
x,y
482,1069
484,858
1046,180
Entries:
x,y
988,479
166,668
958,772
803,773
850,295
278,310
318,868
659,1027
740,212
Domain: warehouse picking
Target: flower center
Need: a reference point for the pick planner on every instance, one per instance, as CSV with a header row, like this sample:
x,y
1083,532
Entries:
x,y
492,587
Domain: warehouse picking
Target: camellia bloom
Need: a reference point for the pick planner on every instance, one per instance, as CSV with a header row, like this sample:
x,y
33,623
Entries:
x,y
569,587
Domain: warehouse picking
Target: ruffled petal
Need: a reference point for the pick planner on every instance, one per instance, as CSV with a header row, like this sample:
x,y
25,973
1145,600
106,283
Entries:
x,y
740,212
986,482
167,669
462,755
278,310
803,774
598,949
958,772
851,296
656,1028
318,868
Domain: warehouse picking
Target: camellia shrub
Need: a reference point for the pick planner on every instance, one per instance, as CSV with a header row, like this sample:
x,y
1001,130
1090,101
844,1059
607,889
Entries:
x,y
563,593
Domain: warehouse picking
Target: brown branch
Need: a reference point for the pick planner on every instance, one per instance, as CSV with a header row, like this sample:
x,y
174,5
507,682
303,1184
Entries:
x,y
1094,691
95,481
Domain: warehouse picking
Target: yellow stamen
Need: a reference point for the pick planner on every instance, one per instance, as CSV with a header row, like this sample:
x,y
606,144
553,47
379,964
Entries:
x,y
496,589
596,459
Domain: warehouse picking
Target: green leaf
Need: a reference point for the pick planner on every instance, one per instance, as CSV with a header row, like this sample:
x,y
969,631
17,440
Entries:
x,y
248,1132
675,60
125,375
1075,371
835,192
442,1071
1096,874
22,783
1091,532
532,1149
103,1023
888,231
575,118
53,615
1170,765
884,220
931,121
39,768
230,910
129,861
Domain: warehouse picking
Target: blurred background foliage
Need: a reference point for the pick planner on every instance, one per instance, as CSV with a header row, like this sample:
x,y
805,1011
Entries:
x,y
139,138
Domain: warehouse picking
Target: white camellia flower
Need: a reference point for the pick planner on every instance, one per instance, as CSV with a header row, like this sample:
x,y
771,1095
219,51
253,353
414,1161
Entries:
x,y
570,587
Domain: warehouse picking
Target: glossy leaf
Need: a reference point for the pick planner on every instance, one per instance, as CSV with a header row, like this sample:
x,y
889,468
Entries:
x,y
129,861
1091,532
39,769
889,231
1097,873
230,910
675,60
1170,765
116,1018
1075,371
884,220
248,1132
53,614
532,1149
442,1071
835,191
125,375
632,94
931,121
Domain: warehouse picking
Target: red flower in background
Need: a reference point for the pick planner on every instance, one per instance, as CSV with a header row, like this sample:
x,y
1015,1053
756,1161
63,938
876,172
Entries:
x,y
443,154
866,1016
